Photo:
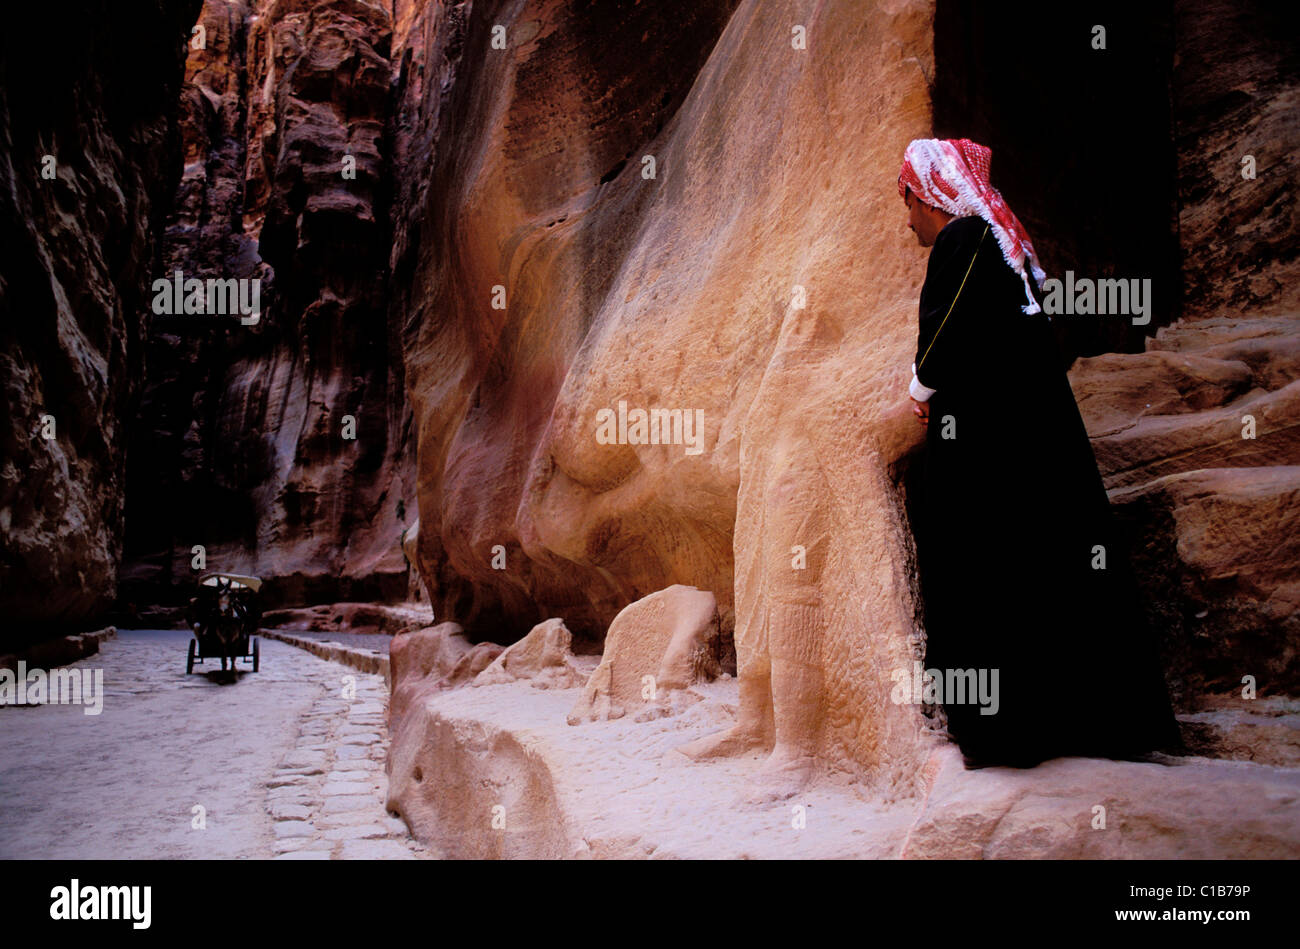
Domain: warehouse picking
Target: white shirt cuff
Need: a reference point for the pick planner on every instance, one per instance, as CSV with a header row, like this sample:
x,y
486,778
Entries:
x,y
919,392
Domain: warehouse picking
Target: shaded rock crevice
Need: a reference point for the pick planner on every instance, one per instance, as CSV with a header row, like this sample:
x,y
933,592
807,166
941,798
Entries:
x,y
291,432
89,159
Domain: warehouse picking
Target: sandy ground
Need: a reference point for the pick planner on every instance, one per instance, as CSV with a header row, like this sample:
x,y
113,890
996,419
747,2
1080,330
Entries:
x,y
619,789
621,792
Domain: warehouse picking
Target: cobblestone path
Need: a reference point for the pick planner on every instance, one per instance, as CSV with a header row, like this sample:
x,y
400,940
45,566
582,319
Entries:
x,y
287,762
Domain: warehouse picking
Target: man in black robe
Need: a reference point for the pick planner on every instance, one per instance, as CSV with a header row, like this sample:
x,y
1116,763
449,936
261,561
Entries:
x,y
1022,569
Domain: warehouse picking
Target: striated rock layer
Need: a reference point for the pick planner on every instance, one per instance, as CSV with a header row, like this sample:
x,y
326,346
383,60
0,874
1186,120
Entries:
x,y
78,253
1236,96
1198,439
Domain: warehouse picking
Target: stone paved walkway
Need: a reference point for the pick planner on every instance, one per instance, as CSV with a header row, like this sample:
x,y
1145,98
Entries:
x,y
286,762
327,796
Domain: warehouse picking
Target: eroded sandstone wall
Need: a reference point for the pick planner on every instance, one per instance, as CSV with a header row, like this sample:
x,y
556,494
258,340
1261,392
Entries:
x,y
1236,108
98,97
1198,437
242,444
763,276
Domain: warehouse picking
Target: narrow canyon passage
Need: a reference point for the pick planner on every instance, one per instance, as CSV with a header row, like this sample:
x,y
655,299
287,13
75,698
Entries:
x,y
278,761
346,296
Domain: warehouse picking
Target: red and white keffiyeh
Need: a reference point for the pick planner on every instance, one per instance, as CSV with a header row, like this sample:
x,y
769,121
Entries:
x,y
953,175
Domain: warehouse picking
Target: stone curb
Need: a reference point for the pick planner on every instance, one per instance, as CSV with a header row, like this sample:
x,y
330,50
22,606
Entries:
x,y
328,797
62,650
364,660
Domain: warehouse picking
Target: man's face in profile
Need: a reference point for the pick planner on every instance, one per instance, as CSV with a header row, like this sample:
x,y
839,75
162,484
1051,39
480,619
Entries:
x,y
926,222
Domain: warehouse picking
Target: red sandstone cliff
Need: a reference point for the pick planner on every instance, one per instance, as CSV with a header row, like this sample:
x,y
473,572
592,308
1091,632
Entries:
x,y
243,441
89,157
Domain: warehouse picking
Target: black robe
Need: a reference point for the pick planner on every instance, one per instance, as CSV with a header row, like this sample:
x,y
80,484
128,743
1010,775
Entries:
x,y
1012,513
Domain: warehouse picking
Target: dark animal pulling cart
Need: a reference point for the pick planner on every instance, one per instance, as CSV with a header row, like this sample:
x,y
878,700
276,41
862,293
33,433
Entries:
x,y
224,615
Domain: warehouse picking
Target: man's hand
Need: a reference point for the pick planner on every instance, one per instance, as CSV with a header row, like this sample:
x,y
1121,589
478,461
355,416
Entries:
x,y
896,431
922,412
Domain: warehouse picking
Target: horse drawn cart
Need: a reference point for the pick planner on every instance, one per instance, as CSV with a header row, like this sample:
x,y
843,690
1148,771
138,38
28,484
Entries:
x,y
224,615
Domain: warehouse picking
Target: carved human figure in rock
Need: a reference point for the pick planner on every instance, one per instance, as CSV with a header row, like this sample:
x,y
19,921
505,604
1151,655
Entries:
x,y
783,516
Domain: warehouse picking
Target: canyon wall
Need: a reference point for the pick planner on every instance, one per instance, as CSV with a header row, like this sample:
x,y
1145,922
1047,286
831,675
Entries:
x,y
490,235
715,228
279,446
89,156
674,210
1198,434
1235,89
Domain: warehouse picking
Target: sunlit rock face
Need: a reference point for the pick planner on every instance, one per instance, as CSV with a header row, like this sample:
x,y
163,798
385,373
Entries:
x,y
684,209
702,218
289,432
89,155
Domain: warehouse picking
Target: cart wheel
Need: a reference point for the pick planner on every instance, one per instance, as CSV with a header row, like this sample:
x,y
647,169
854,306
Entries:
x,y
189,660
256,655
